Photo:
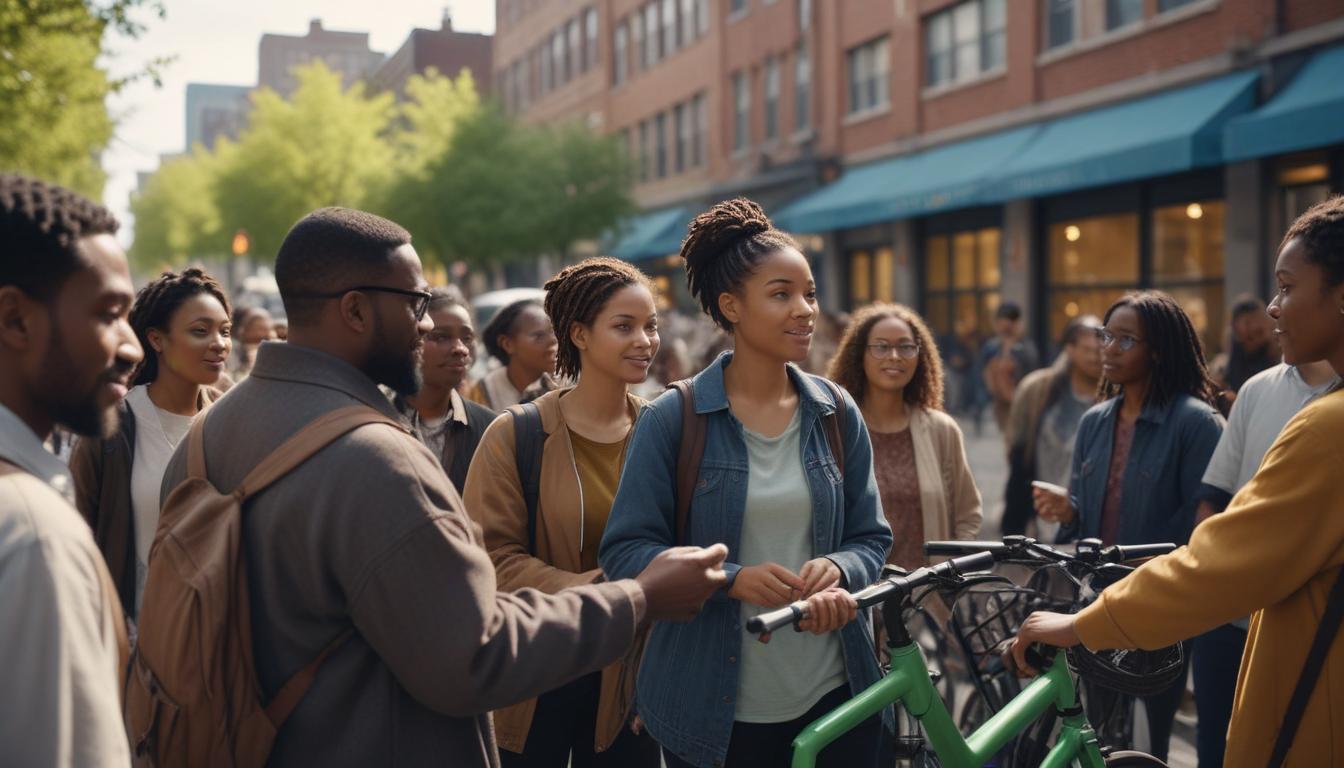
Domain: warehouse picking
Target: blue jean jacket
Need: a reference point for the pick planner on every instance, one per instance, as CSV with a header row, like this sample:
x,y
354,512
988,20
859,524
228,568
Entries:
x,y
687,685
1161,486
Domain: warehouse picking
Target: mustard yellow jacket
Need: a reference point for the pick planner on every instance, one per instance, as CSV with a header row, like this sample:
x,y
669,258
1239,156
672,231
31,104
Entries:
x,y
1276,551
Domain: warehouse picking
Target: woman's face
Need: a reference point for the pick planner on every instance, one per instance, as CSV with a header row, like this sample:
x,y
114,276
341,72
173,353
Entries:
x,y
774,310
532,345
623,338
197,341
449,348
1123,366
1306,311
257,328
884,363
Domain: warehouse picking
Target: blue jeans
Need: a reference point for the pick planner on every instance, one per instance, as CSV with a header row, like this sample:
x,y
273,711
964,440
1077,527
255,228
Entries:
x,y
1217,658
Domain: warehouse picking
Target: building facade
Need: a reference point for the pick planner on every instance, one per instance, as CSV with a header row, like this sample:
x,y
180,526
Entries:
x,y
215,112
345,52
954,154
442,49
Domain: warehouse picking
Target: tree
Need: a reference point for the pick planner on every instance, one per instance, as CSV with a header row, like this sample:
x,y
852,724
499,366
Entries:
x,y
176,217
436,104
588,183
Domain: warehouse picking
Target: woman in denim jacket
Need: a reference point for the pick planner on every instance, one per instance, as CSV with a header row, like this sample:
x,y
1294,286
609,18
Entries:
x,y
1141,453
769,487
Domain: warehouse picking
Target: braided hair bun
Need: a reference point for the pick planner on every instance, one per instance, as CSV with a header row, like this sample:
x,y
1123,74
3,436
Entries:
x,y
154,307
577,294
723,246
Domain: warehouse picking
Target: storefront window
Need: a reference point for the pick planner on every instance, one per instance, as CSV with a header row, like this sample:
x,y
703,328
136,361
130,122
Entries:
x,y
1092,261
1188,263
860,278
961,279
872,276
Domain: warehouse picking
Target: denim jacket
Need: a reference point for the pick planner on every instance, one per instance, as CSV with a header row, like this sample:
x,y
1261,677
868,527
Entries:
x,y
687,687
1161,486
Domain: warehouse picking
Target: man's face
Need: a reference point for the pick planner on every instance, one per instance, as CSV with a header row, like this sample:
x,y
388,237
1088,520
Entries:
x,y
398,344
1006,327
88,350
1251,331
449,348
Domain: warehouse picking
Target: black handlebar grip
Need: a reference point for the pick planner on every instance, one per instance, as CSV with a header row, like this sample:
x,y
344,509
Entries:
x,y
974,562
776,619
954,548
1127,552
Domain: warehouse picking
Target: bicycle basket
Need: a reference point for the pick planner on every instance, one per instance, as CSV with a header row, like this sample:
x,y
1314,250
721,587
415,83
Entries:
x,y
1131,672
983,617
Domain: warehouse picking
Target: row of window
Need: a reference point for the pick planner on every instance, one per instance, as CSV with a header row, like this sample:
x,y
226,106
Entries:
x,y
570,51
671,142
771,88
654,32
1070,21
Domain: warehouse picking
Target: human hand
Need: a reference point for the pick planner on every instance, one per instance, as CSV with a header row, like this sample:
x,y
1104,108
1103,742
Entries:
x,y
1052,506
817,575
679,580
768,585
1040,627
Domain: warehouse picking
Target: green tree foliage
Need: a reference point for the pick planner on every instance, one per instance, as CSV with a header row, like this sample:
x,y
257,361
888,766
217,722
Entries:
x,y
176,217
434,106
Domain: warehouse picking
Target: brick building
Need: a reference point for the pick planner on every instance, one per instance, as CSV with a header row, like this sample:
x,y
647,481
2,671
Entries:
x,y
345,52
953,154
444,49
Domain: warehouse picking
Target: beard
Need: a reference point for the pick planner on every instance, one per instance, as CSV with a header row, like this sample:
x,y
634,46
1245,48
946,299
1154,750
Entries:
x,y
73,405
394,364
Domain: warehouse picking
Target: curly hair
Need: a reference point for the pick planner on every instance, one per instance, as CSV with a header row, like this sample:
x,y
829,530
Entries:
x,y
502,324
154,307
1321,230
1178,366
722,247
846,367
40,226
577,294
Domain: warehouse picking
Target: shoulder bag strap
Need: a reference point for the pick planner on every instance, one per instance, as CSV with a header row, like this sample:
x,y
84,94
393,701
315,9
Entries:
x,y
834,425
1311,671
288,697
529,440
689,454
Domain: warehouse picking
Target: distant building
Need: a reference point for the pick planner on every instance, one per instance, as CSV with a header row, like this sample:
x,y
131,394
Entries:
x,y
444,49
215,111
345,52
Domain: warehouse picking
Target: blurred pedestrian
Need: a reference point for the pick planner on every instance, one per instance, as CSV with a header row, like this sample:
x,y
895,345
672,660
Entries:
x,y
1140,455
1005,359
448,424
607,325
1252,349
798,525
254,327
66,356
183,324
889,362
1047,408
521,339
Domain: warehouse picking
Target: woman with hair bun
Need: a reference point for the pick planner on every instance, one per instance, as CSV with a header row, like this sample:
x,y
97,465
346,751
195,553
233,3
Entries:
x,y
182,322
606,326
798,513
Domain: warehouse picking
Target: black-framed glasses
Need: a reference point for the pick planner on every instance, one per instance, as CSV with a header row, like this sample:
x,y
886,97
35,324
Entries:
x,y
883,350
1126,342
420,307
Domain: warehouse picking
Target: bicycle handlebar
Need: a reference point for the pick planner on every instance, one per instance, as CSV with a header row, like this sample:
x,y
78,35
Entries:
x,y
876,593
1089,551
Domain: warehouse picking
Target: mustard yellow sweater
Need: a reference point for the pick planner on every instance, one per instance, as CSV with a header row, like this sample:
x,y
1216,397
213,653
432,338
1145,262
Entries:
x,y
1275,552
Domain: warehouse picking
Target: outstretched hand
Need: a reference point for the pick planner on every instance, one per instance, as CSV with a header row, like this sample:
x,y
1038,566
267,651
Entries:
x,y
679,580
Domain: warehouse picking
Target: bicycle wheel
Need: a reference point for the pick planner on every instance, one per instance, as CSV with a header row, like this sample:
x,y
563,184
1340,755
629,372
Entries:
x,y
1131,759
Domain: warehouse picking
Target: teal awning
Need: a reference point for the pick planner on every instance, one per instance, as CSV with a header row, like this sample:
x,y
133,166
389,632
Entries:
x,y
1308,113
942,178
1169,132
650,235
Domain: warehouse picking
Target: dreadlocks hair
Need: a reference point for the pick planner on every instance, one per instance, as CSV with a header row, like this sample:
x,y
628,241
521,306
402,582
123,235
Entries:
x,y
577,294
1177,354
154,307
40,226
723,246
1321,230
502,324
925,389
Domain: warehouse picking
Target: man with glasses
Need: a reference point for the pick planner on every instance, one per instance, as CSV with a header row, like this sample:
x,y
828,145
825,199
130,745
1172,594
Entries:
x,y
369,537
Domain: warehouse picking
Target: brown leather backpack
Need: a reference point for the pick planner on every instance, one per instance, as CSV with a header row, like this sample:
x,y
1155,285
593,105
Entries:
x,y
192,695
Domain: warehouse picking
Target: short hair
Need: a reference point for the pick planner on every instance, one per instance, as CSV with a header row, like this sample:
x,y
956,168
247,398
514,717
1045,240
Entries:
x,y
1246,304
447,297
1178,366
154,307
1321,230
41,225
1077,327
1008,311
577,294
723,247
502,324
846,368
331,249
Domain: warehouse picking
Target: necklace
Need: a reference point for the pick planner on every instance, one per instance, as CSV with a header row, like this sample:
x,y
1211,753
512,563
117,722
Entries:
x,y
158,419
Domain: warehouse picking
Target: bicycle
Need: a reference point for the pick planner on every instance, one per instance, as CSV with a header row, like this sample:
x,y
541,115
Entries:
x,y
908,682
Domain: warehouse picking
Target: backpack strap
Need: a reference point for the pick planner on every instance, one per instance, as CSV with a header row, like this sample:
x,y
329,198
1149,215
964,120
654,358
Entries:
x,y
1311,671
529,439
689,454
291,693
834,426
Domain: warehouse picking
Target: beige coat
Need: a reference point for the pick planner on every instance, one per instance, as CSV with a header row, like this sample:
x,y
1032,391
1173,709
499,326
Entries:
x,y
494,496
947,492
369,534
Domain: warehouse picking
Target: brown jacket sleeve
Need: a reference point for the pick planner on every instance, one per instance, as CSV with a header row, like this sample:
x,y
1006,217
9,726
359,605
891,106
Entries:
x,y
86,469
494,498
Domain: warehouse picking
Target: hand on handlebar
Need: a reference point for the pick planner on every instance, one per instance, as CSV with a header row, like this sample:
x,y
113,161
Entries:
x,y
1052,507
1040,627
817,575
769,585
826,611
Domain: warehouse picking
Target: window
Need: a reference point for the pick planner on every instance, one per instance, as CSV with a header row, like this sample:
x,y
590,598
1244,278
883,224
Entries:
x,y
804,15
559,61
669,27
965,41
637,40
1061,22
1166,5
872,275
1188,250
590,46
1091,262
869,66
741,111
644,154
524,77
547,77
701,17
660,142
620,62
701,131
737,7
679,138
802,90
772,98
1122,13
575,65
650,35
961,279
687,22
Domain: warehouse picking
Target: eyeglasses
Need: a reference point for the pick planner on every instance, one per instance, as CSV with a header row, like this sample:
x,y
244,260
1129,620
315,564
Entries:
x,y
420,307
1107,339
883,351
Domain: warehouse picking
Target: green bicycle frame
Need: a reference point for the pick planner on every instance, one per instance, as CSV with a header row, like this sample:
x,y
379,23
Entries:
x,y
908,684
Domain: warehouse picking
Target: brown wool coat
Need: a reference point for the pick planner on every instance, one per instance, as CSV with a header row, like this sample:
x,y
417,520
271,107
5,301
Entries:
x,y
494,498
369,534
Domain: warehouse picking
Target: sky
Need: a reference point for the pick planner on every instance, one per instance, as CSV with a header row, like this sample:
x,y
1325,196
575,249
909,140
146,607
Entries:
x,y
215,41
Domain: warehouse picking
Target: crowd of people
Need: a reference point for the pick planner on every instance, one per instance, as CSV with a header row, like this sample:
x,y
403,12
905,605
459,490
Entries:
x,y
552,565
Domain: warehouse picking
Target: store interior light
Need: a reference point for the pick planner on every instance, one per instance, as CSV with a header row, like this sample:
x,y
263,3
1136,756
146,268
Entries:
x,y
1072,233
1194,211
1071,309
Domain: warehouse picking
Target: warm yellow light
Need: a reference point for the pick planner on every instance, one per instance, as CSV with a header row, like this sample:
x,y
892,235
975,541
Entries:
x,y
1071,309
1072,233
241,243
1194,211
